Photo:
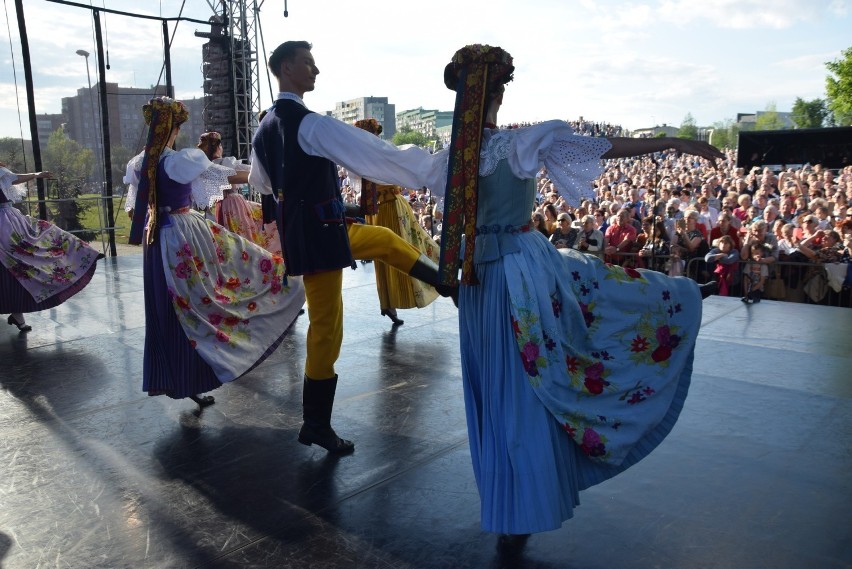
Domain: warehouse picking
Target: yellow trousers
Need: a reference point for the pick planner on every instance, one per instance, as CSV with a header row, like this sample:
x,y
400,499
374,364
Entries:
x,y
324,294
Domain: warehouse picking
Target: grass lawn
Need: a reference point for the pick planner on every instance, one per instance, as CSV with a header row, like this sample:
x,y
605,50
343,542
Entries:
x,y
91,217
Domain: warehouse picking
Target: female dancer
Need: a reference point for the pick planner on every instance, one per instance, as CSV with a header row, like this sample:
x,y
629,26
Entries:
x,y
216,305
43,266
384,205
233,211
573,370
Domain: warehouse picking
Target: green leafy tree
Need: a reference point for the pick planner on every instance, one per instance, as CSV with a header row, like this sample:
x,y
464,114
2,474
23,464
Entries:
x,y
17,154
688,128
724,134
408,136
119,156
769,120
809,114
71,164
838,88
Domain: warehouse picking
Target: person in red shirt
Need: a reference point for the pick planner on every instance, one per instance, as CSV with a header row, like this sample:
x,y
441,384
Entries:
x,y
724,227
619,237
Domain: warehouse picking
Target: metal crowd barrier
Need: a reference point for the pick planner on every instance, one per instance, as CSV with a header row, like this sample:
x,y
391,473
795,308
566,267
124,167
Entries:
x,y
808,283
797,282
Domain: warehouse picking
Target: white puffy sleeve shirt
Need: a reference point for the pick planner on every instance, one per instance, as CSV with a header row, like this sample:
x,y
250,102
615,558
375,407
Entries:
x,y
13,193
191,166
572,161
131,178
362,153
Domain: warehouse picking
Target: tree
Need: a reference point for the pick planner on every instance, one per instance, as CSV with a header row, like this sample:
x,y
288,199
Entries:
x,y
688,128
408,136
838,88
769,120
17,154
70,163
725,134
809,114
119,156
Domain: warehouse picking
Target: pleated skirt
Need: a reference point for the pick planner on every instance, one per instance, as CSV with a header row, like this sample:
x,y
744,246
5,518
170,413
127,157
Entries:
x,y
528,468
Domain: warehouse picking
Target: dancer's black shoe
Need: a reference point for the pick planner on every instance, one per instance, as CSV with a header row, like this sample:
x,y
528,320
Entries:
x,y
391,313
511,544
203,400
326,438
23,327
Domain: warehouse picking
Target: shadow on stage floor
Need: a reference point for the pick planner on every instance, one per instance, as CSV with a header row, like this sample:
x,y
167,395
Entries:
x,y
94,473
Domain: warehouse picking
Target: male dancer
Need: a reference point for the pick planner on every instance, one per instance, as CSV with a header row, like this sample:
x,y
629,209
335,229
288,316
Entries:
x,y
295,157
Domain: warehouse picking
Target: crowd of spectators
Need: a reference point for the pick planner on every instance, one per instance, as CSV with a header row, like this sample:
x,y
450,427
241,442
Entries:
x,y
683,215
718,223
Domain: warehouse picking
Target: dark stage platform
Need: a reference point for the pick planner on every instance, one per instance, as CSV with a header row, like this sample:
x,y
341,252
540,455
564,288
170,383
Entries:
x,y
95,474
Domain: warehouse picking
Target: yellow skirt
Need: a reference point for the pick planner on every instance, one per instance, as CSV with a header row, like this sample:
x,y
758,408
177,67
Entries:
x,y
397,289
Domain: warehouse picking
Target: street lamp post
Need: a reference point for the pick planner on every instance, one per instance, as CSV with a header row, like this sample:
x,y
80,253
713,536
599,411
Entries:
x,y
85,54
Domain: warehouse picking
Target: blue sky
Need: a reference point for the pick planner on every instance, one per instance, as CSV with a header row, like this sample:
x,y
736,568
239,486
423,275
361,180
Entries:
x,y
631,63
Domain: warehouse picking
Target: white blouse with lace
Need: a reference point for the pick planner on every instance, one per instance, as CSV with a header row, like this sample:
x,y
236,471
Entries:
x,y
13,192
186,166
572,161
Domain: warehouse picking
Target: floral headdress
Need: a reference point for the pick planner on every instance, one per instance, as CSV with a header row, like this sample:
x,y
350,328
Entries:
x,y
369,189
209,142
162,115
370,125
475,73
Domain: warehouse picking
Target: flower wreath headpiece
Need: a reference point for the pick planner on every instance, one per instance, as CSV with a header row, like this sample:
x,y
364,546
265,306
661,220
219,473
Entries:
x,y
162,114
475,73
370,125
209,142
369,189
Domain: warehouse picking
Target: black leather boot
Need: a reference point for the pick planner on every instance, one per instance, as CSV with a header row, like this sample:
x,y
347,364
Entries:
x,y
426,270
317,403
708,289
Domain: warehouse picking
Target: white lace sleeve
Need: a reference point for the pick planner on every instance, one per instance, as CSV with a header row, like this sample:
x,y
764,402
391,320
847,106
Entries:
x,y
13,192
7,178
572,161
207,188
131,178
192,166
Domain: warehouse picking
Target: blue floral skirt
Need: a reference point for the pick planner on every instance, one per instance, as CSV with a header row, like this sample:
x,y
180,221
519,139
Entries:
x,y
573,371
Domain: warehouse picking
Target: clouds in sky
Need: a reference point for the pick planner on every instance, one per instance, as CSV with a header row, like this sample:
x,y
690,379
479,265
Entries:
x,y
626,62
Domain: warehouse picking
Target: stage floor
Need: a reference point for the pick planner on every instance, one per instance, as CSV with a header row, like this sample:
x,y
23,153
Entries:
x,y
96,474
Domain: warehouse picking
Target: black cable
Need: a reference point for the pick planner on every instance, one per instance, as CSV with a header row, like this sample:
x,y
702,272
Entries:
x,y
106,36
131,14
17,98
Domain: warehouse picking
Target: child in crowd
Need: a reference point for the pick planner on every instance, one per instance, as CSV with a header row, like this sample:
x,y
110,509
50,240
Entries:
x,y
676,263
722,261
755,274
